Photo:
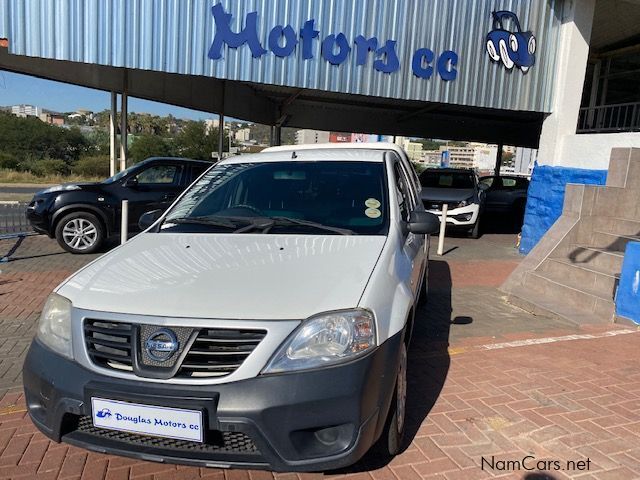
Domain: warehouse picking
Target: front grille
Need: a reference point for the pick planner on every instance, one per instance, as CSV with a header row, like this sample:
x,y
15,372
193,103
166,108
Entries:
x,y
437,205
215,441
109,344
214,353
219,352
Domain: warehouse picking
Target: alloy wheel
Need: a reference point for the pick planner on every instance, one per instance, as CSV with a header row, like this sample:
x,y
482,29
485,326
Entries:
x,y
79,234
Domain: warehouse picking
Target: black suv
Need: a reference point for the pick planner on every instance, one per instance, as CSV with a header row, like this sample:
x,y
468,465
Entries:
x,y
82,215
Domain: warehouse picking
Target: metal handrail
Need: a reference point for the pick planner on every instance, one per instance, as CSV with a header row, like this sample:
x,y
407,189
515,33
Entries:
x,y
619,117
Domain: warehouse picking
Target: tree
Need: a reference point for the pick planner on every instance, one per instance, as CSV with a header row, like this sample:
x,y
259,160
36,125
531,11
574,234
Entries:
x,y
146,145
195,142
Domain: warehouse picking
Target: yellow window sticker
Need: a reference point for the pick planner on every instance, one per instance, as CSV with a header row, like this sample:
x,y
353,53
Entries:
x,y
372,212
372,203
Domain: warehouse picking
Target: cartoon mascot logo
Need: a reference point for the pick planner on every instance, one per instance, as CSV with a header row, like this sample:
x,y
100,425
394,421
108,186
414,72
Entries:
x,y
512,48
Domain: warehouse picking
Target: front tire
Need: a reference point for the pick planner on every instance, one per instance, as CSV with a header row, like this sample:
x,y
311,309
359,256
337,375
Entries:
x,y
390,442
80,232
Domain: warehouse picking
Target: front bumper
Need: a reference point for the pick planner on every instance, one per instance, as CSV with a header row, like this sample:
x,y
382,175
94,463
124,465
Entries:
x,y
39,215
460,217
315,420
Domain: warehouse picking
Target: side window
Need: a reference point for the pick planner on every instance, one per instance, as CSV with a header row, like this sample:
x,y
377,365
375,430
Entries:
x,y
488,181
402,192
160,175
509,183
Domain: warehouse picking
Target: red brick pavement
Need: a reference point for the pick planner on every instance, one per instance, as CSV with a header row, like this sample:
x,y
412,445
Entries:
x,y
567,400
571,400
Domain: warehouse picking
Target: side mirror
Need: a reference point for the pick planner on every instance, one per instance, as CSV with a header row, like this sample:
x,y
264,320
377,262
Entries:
x,y
149,218
423,223
131,182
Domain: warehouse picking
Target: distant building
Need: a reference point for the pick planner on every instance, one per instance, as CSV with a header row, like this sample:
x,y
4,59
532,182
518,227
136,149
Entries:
x,y
525,159
211,123
311,136
413,149
52,118
431,157
242,135
479,156
26,111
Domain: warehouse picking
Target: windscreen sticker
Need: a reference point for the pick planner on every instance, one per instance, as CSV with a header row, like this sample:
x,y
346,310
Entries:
x,y
372,203
372,212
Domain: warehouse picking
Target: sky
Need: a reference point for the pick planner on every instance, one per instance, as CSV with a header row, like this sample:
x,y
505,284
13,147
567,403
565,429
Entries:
x,y
16,89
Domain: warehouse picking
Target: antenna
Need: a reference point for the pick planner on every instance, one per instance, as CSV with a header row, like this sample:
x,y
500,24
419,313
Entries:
x,y
293,155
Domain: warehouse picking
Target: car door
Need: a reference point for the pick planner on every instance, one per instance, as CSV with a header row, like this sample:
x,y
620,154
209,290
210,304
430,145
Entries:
x,y
154,187
494,195
413,247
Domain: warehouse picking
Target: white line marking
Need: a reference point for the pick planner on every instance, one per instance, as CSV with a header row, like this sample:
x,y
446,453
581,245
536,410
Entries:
x,y
565,338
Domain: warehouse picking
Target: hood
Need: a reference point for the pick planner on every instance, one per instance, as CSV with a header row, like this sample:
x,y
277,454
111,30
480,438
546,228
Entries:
x,y
67,186
447,194
231,276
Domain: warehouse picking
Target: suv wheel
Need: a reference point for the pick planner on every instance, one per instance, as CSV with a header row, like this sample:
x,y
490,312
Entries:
x,y
390,441
80,232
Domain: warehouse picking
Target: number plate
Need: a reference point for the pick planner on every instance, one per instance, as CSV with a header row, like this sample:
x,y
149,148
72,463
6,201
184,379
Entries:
x,y
147,419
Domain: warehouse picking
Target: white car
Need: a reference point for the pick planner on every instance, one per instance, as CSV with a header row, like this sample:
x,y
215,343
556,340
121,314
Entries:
x,y
263,321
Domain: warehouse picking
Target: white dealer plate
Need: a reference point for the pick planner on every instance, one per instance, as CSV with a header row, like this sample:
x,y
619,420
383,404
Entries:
x,y
147,420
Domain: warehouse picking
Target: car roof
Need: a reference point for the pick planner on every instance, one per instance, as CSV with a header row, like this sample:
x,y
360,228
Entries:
x,y
173,159
449,170
378,146
309,154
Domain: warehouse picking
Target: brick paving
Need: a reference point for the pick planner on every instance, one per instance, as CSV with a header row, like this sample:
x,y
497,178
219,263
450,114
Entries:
x,y
482,384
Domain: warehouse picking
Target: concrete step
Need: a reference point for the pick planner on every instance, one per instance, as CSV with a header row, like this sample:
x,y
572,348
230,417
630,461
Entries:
x,y
553,290
600,259
581,277
612,241
622,226
526,300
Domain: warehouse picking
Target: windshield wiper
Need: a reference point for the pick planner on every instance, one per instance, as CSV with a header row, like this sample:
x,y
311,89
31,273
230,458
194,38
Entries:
x,y
214,222
282,221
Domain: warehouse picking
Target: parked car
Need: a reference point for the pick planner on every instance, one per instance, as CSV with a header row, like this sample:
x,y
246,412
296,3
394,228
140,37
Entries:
x,y
458,188
80,216
506,194
262,321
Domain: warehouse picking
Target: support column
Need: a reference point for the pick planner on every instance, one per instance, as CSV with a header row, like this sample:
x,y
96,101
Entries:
x,y
113,119
123,130
496,170
277,135
220,135
571,67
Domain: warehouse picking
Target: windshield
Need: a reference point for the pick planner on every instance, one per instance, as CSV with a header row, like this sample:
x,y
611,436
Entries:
x,y
121,174
326,197
436,179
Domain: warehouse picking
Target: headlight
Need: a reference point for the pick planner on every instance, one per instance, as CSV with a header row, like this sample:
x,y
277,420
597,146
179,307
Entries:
x,y
54,328
326,339
60,188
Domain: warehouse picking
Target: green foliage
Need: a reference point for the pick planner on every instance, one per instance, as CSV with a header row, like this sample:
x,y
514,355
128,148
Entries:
x,y
428,144
147,145
49,166
8,161
29,136
195,142
92,166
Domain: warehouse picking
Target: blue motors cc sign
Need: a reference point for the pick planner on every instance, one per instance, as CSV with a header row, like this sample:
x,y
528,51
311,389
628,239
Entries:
x,y
335,48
